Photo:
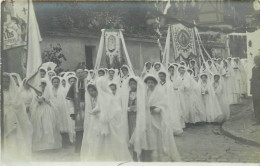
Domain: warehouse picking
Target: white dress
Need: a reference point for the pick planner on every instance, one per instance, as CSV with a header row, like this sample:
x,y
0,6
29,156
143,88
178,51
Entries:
x,y
165,148
103,138
61,109
212,107
183,85
46,130
227,83
27,97
17,128
236,84
134,114
221,96
172,107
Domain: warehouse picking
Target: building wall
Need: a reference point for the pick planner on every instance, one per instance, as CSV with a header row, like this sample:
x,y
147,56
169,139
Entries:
x,y
74,50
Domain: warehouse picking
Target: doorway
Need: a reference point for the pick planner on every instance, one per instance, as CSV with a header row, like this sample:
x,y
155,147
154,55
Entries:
x,y
89,51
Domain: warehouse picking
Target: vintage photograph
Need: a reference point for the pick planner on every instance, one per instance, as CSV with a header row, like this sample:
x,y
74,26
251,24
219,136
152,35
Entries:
x,y
130,81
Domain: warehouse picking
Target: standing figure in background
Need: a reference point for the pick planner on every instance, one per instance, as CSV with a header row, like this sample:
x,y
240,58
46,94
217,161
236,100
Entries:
x,y
237,81
194,67
125,73
255,88
147,69
225,72
76,94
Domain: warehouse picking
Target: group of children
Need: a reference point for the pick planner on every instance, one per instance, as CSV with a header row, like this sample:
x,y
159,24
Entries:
x,y
115,115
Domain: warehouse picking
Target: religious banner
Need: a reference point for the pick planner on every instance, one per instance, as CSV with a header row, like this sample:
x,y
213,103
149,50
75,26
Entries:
x,y
15,23
183,41
111,39
112,44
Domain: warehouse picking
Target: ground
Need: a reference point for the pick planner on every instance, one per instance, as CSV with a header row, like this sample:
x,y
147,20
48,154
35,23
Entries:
x,y
199,143
207,143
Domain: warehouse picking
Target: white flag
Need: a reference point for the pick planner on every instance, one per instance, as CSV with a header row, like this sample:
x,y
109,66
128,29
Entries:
x,y
34,59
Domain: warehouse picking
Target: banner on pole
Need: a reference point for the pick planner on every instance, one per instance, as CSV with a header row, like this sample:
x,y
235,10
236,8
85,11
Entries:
x,y
15,23
183,41
112,43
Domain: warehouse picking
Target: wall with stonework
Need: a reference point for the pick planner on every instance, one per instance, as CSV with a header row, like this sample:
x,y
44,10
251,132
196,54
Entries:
x,y
74,50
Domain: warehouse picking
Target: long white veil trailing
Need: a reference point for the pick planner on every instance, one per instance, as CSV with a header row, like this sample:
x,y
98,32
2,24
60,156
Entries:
x,y
243,77
61,106
91,129
139,136
17,144
172,105
213,110
183,84
219,89
107,128
158,99
104,103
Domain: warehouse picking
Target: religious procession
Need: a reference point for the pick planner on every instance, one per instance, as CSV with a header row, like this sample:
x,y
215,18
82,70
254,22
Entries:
x,y
112,110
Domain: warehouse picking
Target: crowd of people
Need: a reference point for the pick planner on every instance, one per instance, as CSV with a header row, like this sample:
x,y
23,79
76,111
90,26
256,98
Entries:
x,y
116,115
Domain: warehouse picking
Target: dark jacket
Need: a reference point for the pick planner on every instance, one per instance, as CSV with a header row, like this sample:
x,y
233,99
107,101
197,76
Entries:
x,y
255,81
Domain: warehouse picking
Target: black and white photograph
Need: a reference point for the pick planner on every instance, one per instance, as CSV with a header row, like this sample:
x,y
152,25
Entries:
x,y
130,81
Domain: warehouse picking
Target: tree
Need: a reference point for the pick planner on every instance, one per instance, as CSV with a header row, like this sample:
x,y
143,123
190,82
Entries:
x,y
54,55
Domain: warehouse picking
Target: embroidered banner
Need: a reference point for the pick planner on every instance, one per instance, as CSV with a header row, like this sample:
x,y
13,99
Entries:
x,y
183,41
112,44
15,23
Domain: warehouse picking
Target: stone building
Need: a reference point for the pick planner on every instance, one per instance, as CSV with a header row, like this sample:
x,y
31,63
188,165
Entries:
x,y
76,26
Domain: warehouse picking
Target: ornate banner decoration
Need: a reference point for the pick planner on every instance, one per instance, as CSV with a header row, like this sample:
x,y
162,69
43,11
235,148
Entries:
x,y
111,39
183,41
112,44
15,23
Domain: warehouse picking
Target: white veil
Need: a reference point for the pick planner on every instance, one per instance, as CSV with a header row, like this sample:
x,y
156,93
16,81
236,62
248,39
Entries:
x,y
171,106
139,135
17,144
158,100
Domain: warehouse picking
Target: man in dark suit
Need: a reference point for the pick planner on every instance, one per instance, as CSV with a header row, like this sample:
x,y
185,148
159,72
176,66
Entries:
x,y
255,88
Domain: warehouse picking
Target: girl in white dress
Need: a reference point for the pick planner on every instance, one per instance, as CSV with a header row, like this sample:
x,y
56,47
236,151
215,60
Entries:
x,y
17,126
165,86
197,112
236,82
182,86
147,69
211,104
61,108
103,138
134,114
227,81
113,77
173,69
218,87
164,144
46,131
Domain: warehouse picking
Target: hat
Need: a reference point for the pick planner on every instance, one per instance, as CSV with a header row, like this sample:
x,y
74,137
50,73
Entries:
x,y
150,77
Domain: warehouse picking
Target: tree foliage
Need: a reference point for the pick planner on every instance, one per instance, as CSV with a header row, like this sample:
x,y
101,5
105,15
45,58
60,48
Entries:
x,y
55,55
